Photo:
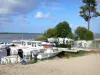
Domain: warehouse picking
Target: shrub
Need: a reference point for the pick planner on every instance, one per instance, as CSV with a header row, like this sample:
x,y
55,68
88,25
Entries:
x,y
84,34
40,38
76,54
63,45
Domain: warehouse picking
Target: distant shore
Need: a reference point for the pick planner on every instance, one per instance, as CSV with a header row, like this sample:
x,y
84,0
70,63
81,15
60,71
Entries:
x,y
17,33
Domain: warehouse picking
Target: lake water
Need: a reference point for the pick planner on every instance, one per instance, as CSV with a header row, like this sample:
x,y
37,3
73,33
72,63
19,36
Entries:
x,y
9,37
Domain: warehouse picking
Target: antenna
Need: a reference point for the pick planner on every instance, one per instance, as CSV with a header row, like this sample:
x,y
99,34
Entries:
x,y
22,20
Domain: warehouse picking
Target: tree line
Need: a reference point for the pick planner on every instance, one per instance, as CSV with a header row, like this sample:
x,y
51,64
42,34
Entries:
x,y
64,30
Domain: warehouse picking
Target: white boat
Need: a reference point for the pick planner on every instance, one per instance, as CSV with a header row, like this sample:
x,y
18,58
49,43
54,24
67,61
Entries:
x,y
26,49
10,59
29,45
47,53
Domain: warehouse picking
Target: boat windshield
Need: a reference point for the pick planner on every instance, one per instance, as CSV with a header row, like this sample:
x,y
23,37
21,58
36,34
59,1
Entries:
x,y
23,43
29,43
17,42
39,44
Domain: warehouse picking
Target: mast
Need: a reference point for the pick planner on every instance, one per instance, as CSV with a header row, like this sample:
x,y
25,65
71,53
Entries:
x,y
22,31
23,21
22,26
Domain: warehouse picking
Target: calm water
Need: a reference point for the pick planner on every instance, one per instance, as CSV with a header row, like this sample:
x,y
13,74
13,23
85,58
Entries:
x,y
10,37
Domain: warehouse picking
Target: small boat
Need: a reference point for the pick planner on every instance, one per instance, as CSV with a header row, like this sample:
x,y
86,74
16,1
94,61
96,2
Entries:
x,y
29,45
47,53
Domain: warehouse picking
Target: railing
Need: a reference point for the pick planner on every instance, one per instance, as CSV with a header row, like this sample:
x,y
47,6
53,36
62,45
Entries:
x,y
95,44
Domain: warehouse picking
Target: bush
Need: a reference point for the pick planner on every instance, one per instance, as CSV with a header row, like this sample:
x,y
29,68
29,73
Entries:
x,y
76,54
51,32
72,54
89,35
63,45
40,38
31,62
84,34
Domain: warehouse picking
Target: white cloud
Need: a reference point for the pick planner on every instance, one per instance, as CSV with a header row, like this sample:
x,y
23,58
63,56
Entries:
x,y
19,7
41,15
14,7
9,8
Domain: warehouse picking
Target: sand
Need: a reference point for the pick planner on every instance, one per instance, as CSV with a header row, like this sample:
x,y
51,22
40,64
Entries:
x,y
85,65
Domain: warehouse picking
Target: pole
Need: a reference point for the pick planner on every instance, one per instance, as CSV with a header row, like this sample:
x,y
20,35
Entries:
x,y
22,31
89,18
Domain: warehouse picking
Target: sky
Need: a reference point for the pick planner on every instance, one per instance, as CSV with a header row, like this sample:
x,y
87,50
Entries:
x,y
36,16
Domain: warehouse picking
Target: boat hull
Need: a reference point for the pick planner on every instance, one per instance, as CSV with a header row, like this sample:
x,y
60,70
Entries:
x,y
47,55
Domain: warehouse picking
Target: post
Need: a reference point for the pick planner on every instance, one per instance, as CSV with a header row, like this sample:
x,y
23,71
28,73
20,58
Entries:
x,y
89,24
35,57
17,58
89,18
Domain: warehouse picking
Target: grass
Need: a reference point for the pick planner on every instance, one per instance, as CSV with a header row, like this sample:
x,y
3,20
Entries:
x,y
95,52
32,62
77,54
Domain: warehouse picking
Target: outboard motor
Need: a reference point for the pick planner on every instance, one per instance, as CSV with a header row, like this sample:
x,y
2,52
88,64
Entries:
x,y
8,51
13,45
20,53
35,53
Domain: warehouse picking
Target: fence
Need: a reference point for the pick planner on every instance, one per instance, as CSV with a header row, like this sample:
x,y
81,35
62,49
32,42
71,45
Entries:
x,y
95,44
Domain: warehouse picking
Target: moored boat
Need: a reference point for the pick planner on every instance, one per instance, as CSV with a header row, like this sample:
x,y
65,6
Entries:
x,y
26,49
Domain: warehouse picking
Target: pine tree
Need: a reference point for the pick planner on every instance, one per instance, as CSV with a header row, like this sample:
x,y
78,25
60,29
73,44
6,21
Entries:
x,y
89,10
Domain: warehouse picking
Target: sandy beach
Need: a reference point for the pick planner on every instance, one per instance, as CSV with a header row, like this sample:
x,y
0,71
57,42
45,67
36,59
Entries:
x,y
85,65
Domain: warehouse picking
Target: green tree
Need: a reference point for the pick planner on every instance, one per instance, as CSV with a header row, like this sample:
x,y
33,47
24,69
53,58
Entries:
x,y
63,30
84,34
89,35
50,33
89,11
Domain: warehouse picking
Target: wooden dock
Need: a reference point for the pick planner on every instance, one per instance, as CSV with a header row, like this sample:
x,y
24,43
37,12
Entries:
x,y
73,49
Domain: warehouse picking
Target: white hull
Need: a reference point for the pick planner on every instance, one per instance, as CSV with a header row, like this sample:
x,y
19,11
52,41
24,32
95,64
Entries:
x,y
46,55
10,59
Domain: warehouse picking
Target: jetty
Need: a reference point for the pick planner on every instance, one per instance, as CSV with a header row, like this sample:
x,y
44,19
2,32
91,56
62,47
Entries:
x,y
73,49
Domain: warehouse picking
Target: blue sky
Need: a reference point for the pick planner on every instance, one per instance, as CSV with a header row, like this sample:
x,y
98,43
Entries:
x,y
36,16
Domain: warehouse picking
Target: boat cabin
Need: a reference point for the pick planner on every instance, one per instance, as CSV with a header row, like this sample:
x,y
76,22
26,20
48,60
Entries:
x,y
31,43
28,43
